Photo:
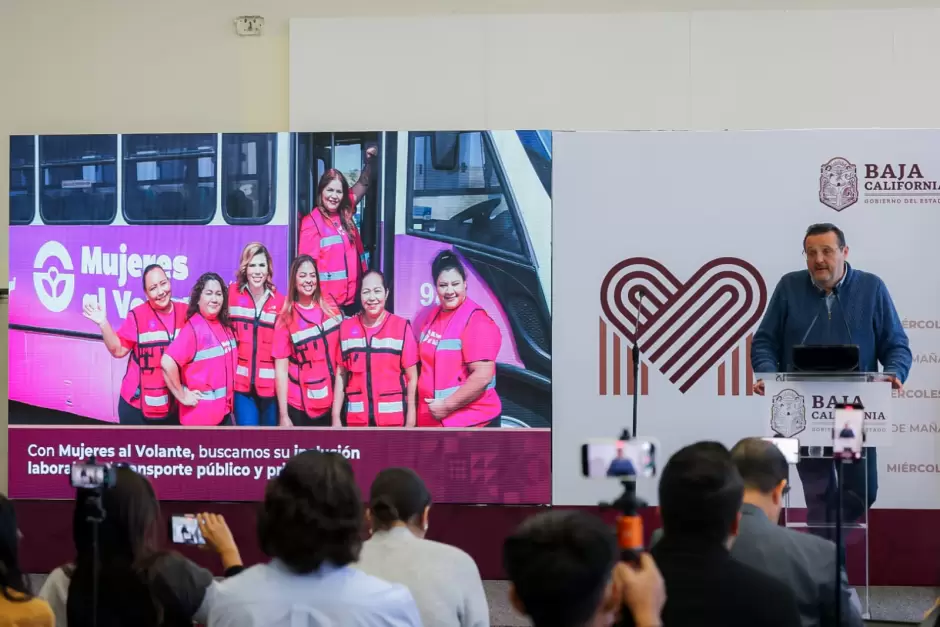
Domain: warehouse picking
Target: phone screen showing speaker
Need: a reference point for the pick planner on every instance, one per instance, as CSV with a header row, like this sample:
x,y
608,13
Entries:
x,y
847,437
87,476
790,447
618,459
185,530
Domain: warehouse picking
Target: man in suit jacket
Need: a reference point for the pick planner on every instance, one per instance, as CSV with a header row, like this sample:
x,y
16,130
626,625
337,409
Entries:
x,y
805,562
700,495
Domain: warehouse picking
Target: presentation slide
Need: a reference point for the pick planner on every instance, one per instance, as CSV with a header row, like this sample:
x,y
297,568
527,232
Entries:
x,y
205,306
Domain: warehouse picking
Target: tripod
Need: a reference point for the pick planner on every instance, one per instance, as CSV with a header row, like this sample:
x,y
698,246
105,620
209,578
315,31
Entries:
x,y
95,517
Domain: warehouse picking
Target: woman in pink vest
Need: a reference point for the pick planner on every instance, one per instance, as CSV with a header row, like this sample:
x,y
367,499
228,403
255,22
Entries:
x,y
329,235
306,350
458,348
146,332
378,377
199,366
254,304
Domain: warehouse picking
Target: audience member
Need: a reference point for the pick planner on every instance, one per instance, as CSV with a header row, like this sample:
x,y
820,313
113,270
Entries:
x,y
564,570
310,525
805,562
700,495
18,608
444,581
137,583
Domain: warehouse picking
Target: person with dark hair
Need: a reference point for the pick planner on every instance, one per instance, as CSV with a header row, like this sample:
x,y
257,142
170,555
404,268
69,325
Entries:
x,y
564,572
306,350
700,496
137,583
329,235
254,304
199,366
146,332
378,375
806,563
459,345
444,581
310,524
832,303
18,607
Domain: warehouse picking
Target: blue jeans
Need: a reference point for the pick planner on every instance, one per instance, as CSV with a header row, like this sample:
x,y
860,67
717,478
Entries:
x,y
252,410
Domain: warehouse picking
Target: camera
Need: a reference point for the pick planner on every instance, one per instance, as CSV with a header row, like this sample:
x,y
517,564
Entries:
x,y
91,475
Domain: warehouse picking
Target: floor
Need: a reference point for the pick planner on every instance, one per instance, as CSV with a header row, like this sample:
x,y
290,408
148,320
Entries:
x,y
893,605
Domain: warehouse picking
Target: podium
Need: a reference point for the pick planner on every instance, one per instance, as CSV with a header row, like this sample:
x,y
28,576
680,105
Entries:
x,y
801,405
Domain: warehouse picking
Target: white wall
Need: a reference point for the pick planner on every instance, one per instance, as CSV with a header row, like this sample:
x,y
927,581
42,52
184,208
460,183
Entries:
x,y
176,66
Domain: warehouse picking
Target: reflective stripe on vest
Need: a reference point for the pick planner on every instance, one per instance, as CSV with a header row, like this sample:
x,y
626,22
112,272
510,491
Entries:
x,y
338,260
450,372
313,376
211,374
375,392
152,340
254,332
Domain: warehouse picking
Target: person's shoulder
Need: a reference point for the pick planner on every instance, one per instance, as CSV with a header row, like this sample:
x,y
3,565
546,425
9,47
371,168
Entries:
x,y
457,559
391,600
753,581
793,279
863,278
34,612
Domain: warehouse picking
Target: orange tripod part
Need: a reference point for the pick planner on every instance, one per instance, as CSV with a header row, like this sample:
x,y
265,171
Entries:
x,y
630,533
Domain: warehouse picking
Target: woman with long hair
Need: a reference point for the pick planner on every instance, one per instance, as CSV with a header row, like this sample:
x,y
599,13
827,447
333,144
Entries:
x,y
199,366
306,349
137,583
253,305
378,375
17,605
458,348
329,234
399,506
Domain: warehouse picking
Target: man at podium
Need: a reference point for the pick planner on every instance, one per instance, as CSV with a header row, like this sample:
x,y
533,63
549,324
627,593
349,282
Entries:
x,y
831,303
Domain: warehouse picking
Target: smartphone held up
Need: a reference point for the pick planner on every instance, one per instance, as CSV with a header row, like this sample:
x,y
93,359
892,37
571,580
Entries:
x,y
184,529
622,460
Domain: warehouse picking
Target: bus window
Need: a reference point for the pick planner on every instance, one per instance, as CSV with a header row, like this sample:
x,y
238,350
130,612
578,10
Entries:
x,y
169,178
249,178
22,179
538,148
465,205
78,183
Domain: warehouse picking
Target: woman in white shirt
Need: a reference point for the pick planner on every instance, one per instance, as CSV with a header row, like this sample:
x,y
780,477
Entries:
x,y
444,581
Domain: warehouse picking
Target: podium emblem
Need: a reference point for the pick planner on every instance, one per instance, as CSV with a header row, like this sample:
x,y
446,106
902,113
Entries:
x,y
788,414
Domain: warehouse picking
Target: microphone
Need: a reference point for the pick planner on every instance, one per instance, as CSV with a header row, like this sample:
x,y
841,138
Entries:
x,y
845,320
810,328
635,353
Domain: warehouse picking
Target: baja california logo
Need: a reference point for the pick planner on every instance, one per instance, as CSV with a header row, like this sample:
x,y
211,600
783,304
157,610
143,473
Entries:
x,y
788,413
838,184
54,287
684,328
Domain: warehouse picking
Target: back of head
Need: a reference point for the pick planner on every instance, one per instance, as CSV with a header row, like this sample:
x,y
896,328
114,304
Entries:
x,y
398,495
700,493
11,577
127,548
560,563
761,464
312,513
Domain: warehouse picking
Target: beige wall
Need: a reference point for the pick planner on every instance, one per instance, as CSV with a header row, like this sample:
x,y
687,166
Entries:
x,y
80,66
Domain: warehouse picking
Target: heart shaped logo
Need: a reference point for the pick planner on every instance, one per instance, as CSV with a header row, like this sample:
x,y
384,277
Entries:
x,y
684,328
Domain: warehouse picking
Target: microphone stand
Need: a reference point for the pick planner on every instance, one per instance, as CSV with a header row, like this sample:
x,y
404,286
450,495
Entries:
x,y
635,354
840,556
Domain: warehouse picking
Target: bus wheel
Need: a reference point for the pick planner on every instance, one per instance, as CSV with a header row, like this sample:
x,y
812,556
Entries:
x,y
515,416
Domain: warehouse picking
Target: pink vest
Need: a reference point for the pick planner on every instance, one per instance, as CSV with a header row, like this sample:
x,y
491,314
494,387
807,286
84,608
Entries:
x,y
375,394
340,262
153,337
310,369
254,333
211,373
447,372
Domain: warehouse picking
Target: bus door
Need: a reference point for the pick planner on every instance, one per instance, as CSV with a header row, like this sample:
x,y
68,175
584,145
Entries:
x,y
315,153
